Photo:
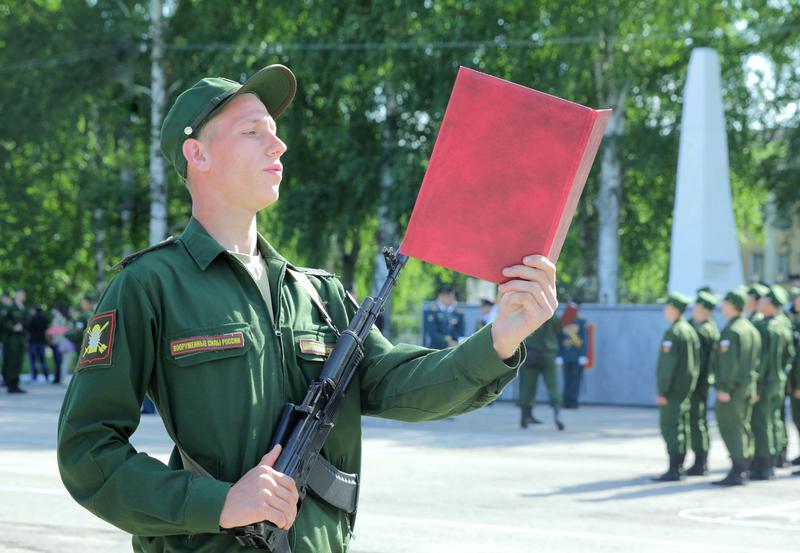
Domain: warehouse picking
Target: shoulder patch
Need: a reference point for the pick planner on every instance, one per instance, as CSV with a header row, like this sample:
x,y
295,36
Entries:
x,y
136,255
666,346
724,345
98,341
314,272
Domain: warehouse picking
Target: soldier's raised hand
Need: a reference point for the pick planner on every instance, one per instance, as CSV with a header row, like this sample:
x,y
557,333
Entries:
x,y
526,303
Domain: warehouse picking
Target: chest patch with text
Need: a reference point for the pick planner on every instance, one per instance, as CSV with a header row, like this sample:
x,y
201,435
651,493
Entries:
x,y
196,344
314,347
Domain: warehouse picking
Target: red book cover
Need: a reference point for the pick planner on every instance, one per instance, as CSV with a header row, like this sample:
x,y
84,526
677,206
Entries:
x,y
504,178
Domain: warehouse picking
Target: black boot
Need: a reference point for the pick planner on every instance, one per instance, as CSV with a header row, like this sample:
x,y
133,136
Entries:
x,y
736,477
761,468
780,461
700,466
796,461
531,418
524,417
559,424
674,473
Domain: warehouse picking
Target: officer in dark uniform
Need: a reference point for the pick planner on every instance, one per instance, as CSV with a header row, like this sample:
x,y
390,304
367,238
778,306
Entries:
x,y
542,348
444,321
573,353
5,302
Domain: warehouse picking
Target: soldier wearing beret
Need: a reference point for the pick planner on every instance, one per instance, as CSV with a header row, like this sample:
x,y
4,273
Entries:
x,y
676,375
732,362
707,331
221,332
777,353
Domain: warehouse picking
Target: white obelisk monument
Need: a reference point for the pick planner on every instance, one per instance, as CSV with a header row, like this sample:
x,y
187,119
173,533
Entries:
x,y
705,250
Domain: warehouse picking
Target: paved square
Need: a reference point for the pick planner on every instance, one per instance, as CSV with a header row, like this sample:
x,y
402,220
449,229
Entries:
x,y
474,484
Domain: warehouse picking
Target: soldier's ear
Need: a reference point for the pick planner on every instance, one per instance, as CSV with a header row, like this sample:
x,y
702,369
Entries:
x,y
196,155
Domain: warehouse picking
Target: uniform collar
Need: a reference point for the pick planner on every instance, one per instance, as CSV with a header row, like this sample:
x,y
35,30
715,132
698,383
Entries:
x,y
204,249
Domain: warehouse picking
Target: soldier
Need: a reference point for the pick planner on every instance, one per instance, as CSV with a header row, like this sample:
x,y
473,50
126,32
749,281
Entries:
x,y
16,321
794,374
734,366
222,332
5,302
777,351
573,353
707,331
444,321
542,348
754,293
676,373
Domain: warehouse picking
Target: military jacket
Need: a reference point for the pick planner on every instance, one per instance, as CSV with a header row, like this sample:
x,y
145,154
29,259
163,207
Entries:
x,y
794,374
708,333
777,354
678,361
14,314
441,326
187,324
735,362
547,338
574,341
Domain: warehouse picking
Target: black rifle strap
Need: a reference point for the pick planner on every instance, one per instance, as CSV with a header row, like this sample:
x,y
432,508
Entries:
x,y
305,283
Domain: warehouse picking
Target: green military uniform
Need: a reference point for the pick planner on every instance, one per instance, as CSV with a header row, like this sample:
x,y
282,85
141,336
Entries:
x,y
794,373
542,349
676,375
708,333
14,323
188,325
734,366
776,354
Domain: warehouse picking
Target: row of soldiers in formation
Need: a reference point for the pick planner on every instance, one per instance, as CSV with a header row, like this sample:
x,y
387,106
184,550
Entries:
x,y
16,333
754,363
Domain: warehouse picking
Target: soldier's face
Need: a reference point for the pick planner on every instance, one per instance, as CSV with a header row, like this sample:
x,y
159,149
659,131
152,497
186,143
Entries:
x,y
765,307
751,304
729,311
244,154
797,304
20,296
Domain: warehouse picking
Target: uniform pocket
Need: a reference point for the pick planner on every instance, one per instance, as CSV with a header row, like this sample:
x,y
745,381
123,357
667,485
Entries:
x,y
202,345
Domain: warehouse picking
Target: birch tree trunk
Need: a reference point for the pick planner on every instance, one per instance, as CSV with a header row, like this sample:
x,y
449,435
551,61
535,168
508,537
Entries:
x,y
608,210
158,94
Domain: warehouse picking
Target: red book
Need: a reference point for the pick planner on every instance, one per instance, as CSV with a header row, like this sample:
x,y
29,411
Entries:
x,y
504,178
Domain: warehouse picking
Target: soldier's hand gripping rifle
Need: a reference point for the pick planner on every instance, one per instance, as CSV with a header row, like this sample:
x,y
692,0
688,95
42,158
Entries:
x,y
302,429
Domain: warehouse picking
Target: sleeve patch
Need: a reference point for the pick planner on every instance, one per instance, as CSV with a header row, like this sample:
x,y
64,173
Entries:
x,y
666,346
98,341
724,345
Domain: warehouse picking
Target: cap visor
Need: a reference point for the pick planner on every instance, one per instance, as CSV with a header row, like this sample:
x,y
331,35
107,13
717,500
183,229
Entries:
x,y
274,85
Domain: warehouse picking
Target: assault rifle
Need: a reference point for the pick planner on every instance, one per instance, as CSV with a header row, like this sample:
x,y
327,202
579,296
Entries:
x,y
302,429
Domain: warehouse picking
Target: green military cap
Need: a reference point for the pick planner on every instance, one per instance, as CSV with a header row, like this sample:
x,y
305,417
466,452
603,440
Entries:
x,y
737,297
274,85
707,299
676,299
778,295
704,289
758,290
88,297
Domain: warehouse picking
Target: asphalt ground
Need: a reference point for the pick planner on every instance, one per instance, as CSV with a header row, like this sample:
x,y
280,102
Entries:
x,y
477,483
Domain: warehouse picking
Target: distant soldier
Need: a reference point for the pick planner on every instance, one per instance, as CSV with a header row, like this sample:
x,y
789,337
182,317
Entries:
x,y
707,331
15,324
676,374
81,320
444,321
5,302
794,374
733,366
573,353
754,293
542,348
777,352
